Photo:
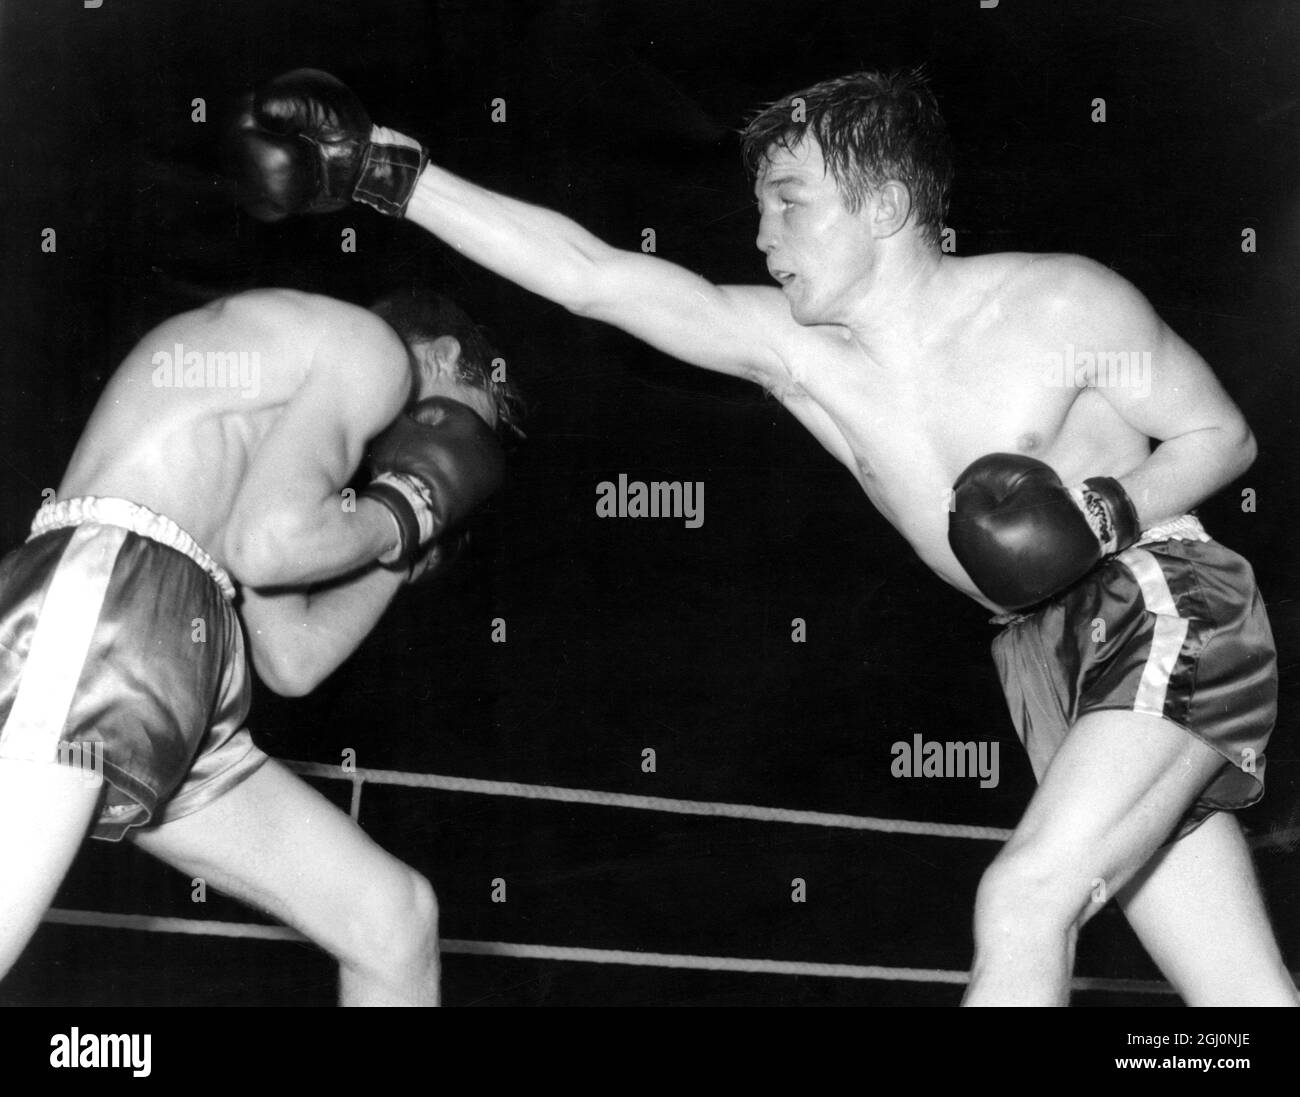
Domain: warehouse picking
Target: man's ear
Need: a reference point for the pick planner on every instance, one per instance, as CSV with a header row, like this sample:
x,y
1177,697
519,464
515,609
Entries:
x,y
893,206
445,354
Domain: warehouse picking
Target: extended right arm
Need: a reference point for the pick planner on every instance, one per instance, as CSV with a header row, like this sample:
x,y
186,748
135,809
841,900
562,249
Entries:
x,y
731,329
305,144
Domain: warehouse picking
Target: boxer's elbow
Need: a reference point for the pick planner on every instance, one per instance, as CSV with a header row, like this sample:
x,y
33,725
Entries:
x,y
294,684
1247,449
262,550
591,280
287,668
1239,447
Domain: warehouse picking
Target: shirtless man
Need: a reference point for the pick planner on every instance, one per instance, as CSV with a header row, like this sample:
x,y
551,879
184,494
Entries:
x,y
910,366
220,450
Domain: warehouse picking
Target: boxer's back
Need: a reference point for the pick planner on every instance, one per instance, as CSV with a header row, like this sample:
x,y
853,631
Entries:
x,y
180,418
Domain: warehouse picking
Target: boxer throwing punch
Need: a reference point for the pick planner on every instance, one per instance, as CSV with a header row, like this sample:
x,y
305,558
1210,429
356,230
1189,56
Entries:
x,y
925,375
199,525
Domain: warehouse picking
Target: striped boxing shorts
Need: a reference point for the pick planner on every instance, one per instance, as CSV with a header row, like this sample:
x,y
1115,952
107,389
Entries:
x,y
1172,627
121,653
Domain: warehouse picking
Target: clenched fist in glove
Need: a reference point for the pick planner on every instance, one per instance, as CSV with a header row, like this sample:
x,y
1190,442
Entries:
x,y
304,144
1022,535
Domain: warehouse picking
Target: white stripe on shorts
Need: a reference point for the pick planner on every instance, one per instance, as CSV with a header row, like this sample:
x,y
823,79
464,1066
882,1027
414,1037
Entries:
x,y
60,642
1168,637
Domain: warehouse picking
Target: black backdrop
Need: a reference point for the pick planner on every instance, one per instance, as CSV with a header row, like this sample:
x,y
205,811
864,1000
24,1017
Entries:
x,y
621,634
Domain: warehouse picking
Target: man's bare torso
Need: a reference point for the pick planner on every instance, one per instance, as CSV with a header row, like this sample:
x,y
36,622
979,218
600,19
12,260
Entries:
x,y
907,422
178,439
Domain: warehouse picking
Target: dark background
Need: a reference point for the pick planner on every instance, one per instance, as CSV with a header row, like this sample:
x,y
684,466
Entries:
x,y
632,634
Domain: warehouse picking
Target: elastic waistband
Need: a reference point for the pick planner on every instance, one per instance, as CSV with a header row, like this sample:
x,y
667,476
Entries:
x,y
131,516
1186,527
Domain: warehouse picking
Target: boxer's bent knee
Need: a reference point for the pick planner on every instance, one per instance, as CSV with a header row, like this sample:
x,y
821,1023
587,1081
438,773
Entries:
x,y
394,924
1024,893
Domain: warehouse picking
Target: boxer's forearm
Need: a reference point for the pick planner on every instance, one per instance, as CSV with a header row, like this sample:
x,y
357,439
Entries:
x,y
299,637
344,538
309,545
536,248
1182,472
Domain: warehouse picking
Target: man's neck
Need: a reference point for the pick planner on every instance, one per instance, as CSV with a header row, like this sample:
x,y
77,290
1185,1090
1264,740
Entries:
x,y
904,304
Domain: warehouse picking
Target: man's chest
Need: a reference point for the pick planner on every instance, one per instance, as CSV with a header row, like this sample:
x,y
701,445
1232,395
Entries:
x,y
931,413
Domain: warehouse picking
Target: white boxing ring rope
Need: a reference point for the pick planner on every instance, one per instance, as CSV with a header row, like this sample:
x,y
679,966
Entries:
x,y
643,803
1285,840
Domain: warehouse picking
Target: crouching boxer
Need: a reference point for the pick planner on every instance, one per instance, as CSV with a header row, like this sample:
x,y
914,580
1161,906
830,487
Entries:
x,y
200,523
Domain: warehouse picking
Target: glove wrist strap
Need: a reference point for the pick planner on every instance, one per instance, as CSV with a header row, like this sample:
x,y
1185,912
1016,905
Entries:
x,y
407,499
390,171
1109,512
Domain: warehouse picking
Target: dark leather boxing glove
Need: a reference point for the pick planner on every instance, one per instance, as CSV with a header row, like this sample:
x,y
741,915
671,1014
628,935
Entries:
x,y
1022,535
434,466
303,143
438,557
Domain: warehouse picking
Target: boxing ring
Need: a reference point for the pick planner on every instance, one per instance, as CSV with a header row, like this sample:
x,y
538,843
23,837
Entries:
x,y
1281,840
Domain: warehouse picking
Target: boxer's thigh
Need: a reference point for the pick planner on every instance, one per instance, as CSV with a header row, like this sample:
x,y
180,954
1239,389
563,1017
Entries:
x,y
1197,908
277,844
1114,792
44,812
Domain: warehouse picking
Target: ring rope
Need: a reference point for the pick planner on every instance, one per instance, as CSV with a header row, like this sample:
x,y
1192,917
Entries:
x,y
359,777
514,950
647,803
1282,839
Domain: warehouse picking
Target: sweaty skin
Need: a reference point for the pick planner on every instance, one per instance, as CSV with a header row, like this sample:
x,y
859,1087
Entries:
x,y
906,364
185,452
253,470
907,399
909,414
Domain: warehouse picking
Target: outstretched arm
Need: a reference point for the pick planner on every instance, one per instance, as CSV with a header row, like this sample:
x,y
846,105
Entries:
x,y
731,329
305,144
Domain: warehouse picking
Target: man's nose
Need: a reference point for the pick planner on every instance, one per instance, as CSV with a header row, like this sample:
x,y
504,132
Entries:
x,y
766,239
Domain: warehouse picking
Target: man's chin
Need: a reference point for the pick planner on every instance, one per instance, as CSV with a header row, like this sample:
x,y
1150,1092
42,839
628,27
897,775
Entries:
x,y
802,313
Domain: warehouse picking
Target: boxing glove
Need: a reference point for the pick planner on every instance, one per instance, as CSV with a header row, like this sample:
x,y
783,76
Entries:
x,y
438,557
433,467
1022,535
303,143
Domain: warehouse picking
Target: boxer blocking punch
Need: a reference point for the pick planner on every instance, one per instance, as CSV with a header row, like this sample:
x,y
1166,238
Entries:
x,y
1141,674
213,504
434,467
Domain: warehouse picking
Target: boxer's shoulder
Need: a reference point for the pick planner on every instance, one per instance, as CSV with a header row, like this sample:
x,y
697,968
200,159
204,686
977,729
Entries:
x,y
1054,295
1059,286
268,316
287,331
295,311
